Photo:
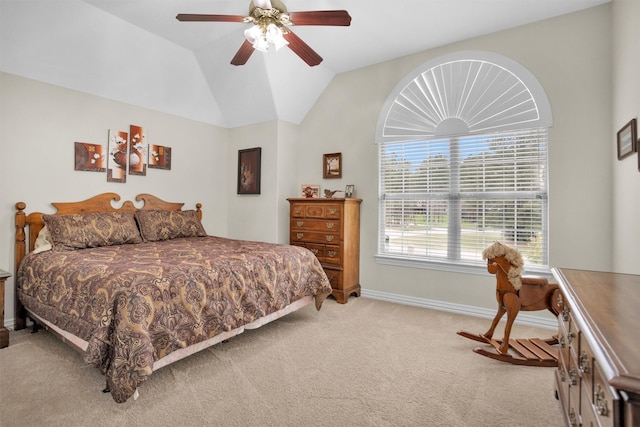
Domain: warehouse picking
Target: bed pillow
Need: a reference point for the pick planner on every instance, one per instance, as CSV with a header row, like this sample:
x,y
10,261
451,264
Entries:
x,y
70,232
164,225
43,241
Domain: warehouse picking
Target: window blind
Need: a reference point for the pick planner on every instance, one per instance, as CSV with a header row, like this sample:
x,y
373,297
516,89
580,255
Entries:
x,y
446,199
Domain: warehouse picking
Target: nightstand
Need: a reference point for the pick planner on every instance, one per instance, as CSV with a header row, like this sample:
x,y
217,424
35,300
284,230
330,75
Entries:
x,y
4,332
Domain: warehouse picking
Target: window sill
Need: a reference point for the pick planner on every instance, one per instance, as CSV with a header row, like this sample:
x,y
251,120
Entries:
x,y
452,267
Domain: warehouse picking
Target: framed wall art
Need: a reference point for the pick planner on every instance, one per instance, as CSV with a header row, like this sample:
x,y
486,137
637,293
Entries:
x,y
159,157
89,157
137,150
627,139
332,165
249,170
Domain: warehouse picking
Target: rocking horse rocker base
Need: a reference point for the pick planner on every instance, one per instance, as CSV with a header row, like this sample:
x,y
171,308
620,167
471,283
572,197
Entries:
x,y
516,293
528,351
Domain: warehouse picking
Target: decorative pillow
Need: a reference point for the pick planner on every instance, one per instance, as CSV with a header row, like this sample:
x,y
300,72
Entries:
x,y
43,241
70,232
164,225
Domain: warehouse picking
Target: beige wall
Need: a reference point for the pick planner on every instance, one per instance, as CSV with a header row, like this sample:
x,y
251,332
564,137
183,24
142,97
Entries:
x,y
626,105
570,57
39,124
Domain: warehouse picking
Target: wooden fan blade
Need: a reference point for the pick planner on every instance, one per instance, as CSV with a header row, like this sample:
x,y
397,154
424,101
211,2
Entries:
x,y
192,17
321,17
243,54
302,49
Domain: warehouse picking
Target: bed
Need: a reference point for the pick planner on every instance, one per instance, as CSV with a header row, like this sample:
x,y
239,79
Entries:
x,y
137,288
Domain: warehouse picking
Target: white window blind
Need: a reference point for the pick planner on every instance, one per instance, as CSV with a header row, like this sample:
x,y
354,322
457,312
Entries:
x,y
463,162
446,199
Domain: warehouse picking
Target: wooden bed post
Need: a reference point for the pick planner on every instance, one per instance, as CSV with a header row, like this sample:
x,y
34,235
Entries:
x,y
20,252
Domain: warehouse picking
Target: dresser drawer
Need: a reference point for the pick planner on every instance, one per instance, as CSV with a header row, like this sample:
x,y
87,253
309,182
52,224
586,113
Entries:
x,y
316,225
333,254
605,400
315,237
335,278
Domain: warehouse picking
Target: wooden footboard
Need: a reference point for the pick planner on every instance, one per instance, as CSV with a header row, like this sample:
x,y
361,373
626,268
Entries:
x,y
29,225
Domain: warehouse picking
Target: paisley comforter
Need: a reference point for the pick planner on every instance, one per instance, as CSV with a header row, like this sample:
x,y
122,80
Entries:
x,y
136,303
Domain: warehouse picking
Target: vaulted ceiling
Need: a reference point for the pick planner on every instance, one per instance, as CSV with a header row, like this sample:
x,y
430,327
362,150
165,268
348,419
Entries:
x,y
135,51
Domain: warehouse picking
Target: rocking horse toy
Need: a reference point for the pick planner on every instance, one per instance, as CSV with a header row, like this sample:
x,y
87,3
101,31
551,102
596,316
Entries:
x,y
516,293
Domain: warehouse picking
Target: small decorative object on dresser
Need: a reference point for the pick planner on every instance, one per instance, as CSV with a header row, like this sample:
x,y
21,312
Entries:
x,y
4,332
348,190
310,191
329,193
330,228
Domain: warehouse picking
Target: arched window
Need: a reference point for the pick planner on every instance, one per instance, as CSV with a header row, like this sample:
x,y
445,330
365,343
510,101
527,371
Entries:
x,y
463,163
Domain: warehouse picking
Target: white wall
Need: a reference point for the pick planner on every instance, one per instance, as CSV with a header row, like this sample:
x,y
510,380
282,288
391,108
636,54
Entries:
x,y
626,105
569,56
39,124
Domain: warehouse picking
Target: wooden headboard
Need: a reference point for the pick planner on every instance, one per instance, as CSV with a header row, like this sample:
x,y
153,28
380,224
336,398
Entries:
x,y
29,225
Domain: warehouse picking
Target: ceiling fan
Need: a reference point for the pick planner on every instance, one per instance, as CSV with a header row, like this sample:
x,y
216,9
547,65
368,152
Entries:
x,y
271,27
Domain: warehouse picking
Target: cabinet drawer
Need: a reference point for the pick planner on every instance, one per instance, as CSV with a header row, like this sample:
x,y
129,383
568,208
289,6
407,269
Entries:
x,y
318,250
314,237
315,225
605,400
333,211
333,254
585,365
314,211
335,278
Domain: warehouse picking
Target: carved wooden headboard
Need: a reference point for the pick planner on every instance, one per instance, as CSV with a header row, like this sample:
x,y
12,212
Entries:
x,y
29,225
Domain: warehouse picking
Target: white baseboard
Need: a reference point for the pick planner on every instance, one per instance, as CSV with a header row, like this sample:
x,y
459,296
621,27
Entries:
x,y
523,318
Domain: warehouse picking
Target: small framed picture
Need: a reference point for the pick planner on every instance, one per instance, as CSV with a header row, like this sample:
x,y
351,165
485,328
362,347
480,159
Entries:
x,y
348,191
332,165
310,191
249,171
627,139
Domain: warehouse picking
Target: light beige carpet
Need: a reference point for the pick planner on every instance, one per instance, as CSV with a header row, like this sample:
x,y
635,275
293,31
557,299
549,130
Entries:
x,y
366,363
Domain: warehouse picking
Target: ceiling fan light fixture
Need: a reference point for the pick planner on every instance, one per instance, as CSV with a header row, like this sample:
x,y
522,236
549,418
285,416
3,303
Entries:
x,y
275,36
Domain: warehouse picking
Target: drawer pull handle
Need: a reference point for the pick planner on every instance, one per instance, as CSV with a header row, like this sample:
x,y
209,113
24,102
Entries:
x,y
573,420
297,210
300,223
299,235
332,253
563,374
572,377
583,363
562,341
315,252
565,314
330,238
570,337
601,403
333,211
330,225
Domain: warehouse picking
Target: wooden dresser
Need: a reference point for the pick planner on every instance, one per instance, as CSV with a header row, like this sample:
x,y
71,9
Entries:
x,y
330,228
598,376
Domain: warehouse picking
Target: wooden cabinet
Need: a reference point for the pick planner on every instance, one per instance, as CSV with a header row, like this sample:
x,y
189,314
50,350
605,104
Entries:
x,y
598,375
330,228
4,332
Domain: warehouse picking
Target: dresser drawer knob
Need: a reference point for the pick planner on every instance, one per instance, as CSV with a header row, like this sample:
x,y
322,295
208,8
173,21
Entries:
x,y
330,225
315,252
333,211
332,254
299,235
330,238
601,402
300,223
